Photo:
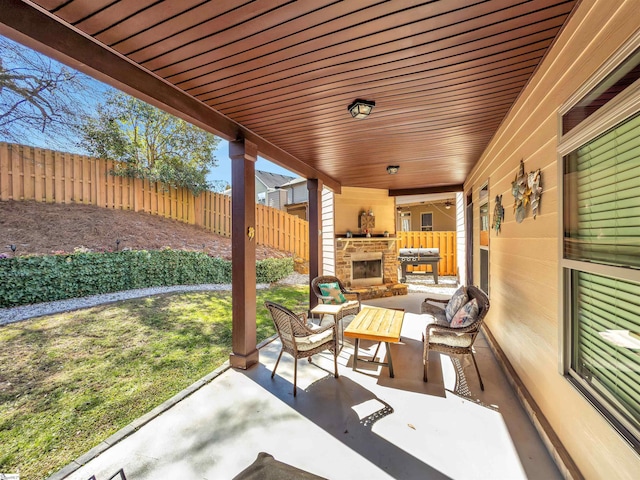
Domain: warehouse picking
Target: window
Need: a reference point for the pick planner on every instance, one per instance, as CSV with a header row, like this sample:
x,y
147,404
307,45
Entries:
x,y
601,256
404,222
426,222
484,215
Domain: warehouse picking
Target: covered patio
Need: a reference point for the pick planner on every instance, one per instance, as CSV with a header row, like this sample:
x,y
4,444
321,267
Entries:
x,y
361,425
466,93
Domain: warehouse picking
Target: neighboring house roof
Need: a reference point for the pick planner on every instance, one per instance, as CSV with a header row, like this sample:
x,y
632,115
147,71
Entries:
x,y
293,182
272,180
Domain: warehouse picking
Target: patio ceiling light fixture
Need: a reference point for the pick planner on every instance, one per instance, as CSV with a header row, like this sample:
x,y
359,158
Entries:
x,y
448,204
361,108
393,169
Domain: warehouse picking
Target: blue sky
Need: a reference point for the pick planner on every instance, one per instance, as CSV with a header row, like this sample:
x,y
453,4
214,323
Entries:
x,y
96,91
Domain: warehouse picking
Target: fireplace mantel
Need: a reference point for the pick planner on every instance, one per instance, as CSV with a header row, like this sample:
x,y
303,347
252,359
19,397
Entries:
x,y
347,241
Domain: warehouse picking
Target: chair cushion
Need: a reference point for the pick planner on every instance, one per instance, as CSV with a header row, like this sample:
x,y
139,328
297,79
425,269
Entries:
x,y
332,290
350,305
466,315
312,341
451,339
457,300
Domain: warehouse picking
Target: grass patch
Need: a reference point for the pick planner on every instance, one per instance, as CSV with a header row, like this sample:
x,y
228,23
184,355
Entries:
x,y
70,380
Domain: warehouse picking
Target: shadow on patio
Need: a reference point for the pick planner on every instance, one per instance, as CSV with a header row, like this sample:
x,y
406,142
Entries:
x,y
361,425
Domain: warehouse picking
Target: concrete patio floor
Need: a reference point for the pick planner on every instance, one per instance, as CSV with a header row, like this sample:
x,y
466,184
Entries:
x,y
363,425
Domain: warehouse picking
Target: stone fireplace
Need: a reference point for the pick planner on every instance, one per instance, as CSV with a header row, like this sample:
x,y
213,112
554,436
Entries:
x,y
366,262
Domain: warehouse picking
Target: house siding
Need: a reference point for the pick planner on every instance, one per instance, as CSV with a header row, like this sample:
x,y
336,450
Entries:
x,y
298,194
328,232
525,269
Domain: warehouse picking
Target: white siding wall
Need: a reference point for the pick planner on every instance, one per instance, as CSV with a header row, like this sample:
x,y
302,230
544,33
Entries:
x,y
328,234
298,194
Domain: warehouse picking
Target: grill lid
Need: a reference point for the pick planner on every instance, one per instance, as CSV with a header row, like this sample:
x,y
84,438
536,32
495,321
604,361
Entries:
x,y
418,252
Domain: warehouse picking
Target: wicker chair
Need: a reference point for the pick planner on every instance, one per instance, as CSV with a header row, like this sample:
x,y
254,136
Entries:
x,y
351,307
300,340
441,338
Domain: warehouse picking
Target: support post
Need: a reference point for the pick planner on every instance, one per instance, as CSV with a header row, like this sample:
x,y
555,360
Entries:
x,y
315,229
243,156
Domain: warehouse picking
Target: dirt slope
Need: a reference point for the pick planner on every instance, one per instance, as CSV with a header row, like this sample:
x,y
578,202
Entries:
x,y
44,228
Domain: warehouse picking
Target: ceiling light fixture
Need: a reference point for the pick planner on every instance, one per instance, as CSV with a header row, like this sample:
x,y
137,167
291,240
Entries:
x,y
393,169
447,204
361,108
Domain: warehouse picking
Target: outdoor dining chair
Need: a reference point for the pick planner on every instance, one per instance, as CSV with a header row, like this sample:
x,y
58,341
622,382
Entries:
x,y
301,340
348,298
441,337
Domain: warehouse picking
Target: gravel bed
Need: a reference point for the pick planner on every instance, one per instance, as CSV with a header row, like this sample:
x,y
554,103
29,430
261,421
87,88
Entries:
x,y
295,279
416,283
421,283
24,312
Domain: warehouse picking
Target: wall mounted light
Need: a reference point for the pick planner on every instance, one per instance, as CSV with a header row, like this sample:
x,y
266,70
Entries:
x,y
393,169
361,108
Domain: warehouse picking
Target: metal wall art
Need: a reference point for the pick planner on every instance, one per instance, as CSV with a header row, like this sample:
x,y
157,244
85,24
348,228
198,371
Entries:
x,y
526,190
498,214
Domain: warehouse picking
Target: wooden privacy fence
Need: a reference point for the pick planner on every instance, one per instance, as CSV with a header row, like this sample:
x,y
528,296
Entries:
x,y
445,241
29,173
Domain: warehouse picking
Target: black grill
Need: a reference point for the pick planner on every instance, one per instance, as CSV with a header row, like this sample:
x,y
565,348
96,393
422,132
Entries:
x,y
419,256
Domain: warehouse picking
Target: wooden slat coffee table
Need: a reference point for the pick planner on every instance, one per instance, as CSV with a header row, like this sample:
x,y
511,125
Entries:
x,y
378,325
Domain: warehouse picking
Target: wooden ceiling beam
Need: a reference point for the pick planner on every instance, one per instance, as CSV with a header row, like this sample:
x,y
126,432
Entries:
x,y
42,31
424,191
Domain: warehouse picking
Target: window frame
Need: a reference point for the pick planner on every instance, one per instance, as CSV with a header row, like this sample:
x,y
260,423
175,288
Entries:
x,y
422,225
620,108
402,215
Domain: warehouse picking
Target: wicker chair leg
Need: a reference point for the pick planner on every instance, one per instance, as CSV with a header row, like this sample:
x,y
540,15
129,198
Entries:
x,y
295,375
425,362
277,362
477,370
335,363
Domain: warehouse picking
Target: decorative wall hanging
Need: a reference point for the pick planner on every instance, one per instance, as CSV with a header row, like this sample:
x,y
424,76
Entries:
x,y
535,189
526,190
518,189
498,214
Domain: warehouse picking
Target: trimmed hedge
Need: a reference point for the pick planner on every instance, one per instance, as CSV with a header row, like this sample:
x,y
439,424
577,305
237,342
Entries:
x,y
34,279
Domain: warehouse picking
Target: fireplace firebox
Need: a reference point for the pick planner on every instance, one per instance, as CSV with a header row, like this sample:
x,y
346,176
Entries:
x,y
366,269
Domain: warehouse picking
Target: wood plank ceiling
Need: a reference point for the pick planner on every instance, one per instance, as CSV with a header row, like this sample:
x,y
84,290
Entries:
x,y
443,74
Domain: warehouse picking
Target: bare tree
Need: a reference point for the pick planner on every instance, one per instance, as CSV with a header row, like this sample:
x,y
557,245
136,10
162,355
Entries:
x,y
40,99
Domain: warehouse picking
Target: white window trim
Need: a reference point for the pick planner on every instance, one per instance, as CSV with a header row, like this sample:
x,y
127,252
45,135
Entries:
x,y
422,225
615,111
623,106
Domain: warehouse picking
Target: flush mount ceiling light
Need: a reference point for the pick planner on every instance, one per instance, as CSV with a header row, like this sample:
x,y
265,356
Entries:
x,y
393,169
361,108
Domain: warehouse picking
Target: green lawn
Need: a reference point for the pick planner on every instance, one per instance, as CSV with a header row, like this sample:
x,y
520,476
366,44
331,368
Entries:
x,y
68,381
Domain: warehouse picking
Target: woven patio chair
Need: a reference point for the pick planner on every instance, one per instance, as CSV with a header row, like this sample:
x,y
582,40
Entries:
x,y
442,338
300,340
350,307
